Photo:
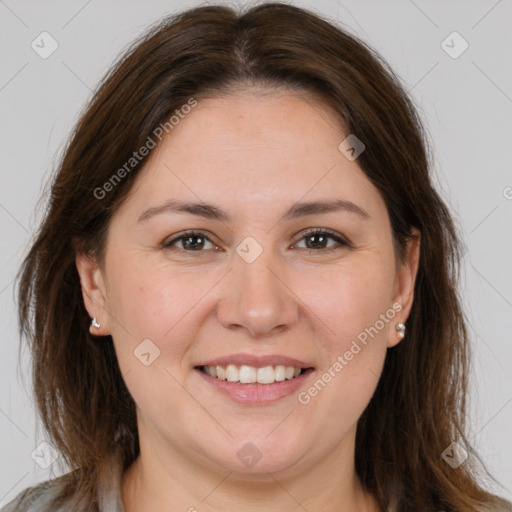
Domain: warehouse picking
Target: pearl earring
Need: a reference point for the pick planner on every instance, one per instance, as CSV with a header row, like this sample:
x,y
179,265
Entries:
x,y
95,323
401,329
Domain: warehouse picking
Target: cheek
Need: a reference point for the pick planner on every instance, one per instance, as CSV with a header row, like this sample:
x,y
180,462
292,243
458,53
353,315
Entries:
x,y
143,298
351,302
151,302
147,306
350,298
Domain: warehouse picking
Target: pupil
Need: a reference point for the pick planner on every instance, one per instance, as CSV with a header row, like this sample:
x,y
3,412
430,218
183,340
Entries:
x,y
315,237
189,245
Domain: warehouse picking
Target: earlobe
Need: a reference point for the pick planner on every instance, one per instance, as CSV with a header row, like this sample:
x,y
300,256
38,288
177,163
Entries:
x,y
93,293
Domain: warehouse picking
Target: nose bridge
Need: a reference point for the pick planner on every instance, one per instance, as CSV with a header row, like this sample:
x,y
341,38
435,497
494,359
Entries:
x,y
257,298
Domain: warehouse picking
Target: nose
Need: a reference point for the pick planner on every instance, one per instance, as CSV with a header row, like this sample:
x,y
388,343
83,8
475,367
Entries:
x,y
257,298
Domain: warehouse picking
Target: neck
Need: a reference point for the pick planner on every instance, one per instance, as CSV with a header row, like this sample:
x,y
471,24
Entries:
x,y
152,483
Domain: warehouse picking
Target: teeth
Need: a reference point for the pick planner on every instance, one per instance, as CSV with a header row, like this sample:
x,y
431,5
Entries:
x,y
280,373
266,375
250,374
232,373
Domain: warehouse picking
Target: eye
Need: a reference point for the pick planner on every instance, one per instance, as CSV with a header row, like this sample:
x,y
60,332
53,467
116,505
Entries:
x,y
318,238
190,241
316,241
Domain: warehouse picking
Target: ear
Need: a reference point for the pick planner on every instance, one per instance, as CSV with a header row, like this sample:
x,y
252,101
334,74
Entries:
x,y
404,285
93,292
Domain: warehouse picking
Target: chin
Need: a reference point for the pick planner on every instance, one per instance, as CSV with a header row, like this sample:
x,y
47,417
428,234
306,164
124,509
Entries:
x,y
254,460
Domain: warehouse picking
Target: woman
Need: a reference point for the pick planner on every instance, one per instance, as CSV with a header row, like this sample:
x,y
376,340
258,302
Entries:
x,y
243,295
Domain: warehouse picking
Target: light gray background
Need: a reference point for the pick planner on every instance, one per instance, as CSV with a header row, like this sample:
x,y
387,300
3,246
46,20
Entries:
x,y
466,104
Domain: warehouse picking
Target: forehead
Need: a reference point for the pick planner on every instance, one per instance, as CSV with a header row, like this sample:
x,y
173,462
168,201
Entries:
x,y
264,148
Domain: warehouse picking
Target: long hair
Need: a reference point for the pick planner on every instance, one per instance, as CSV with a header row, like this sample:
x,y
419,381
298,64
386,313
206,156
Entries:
x,y
419,407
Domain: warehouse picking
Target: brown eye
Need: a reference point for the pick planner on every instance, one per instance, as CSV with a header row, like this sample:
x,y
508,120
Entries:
x,y
318,240
191,242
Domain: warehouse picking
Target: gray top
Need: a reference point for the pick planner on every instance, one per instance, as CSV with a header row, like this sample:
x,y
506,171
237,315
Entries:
x,y
41,497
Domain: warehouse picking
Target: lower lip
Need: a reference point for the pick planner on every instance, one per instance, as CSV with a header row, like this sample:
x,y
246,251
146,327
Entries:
x,y
256,394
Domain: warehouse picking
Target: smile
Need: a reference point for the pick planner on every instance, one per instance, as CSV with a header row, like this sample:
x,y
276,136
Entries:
x,y
245,374
252,385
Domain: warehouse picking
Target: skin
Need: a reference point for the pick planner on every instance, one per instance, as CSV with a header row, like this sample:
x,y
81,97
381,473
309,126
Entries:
x,y
254,156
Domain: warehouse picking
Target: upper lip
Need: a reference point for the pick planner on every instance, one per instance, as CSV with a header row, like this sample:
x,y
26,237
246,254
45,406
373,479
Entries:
x,y
256,361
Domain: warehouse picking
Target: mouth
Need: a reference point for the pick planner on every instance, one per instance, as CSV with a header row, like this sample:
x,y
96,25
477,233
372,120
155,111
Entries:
x,y
252,380
245,374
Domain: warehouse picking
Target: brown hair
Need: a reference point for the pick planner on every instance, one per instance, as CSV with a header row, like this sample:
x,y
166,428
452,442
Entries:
x,y
419,406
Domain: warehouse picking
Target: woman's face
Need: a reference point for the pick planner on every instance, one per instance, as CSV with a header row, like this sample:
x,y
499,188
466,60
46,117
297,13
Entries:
x,y
252,288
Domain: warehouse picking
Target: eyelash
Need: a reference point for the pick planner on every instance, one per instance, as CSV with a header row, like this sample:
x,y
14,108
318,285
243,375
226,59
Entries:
x,y
314,231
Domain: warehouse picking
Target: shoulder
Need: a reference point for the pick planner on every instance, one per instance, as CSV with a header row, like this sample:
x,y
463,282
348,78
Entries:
x,y
35,498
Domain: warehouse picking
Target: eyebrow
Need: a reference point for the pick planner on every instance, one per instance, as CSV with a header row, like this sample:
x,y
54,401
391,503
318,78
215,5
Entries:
x,y
298,210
